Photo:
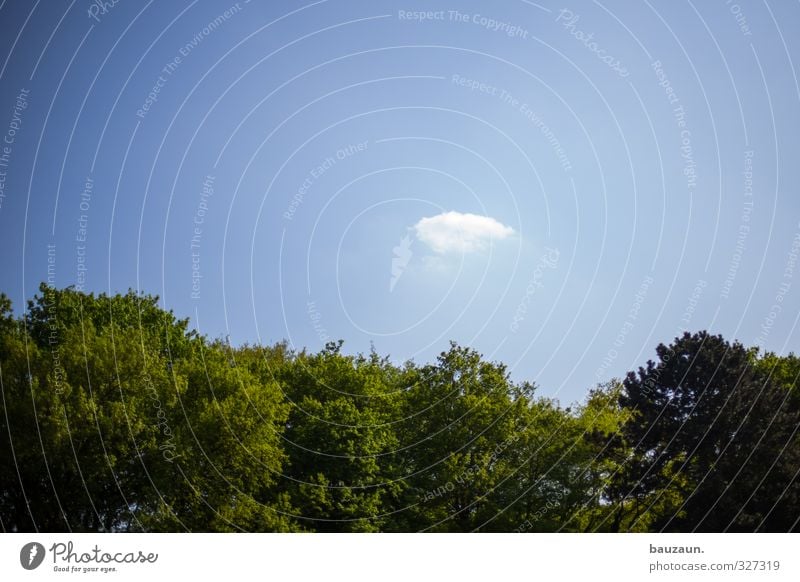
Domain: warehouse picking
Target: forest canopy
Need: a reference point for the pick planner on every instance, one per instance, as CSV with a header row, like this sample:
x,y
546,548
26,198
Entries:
x,y
116,416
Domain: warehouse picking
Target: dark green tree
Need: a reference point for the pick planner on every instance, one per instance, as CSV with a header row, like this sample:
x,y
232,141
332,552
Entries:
x,y
703,419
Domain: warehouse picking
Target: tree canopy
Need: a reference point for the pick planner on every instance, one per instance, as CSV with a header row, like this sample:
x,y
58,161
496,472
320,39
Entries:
x,y
116,416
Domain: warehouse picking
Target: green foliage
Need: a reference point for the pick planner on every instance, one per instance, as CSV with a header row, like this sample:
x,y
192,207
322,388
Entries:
x,y
460,423
713,440
116,416
343,468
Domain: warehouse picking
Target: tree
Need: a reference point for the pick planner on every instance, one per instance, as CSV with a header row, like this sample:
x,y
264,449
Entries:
x,y
461,425
342,472
222,440
699,416
119,418
77,418
762,463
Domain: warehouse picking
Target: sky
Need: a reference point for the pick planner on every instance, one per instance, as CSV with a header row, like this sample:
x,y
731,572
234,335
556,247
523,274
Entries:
x,y
560,186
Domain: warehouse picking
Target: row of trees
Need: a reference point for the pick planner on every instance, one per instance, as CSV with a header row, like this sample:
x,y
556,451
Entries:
x,y
117,417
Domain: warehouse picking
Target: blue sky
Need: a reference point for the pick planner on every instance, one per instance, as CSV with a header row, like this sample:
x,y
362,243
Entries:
x,y
561,186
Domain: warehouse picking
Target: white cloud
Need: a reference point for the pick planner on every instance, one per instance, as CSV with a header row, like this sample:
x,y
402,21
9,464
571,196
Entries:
x,y
456,232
